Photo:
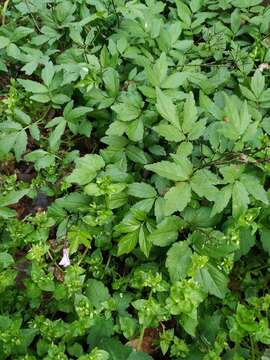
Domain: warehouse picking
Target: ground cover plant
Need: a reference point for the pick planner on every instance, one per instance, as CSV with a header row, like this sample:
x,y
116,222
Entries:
x,y
135,162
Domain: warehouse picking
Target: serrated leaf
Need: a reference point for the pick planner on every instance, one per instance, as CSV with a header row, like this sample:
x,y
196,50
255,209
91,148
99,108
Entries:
x,y
253,186
178,260
235,20
177,198
189,114
166,108
183,12
203,184
169,170
47,73
136,154
175,80
170,132
22,116
240,199
144,242
257,83
213,280
20,144
126,112
34,131
166,231
33,86
96,292
135,130
86,169
56,134
128,243
142,190
222,199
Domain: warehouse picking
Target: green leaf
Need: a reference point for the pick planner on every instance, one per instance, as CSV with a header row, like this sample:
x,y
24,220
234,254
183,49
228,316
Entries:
x,y
190,114
47,74
247,93
170,170
213,280
139,356
170,132
240,199
222,199
7,213
20,144
111,81
245,3
127,243
175,80
96,292
55,136
178,260
166,231
22,116
34,131
253,186
4,42
257,83
5,260
177,198
33,86
235,20
86,169
7,142
158,72
203,184
126,112
136,154
12,197
141,190
144,242
41,98
265,238
135,130
166,108
183,12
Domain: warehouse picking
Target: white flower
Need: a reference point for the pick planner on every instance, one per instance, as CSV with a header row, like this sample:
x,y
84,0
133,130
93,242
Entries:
x,y
65,261
263,67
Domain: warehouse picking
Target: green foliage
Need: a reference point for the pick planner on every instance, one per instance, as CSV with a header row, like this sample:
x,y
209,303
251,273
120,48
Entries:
x,y
134,179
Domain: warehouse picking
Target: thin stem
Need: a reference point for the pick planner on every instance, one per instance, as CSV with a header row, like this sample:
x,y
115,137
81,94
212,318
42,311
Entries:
x,y
55,263
6,3
83,255
252,348
32,16
139,346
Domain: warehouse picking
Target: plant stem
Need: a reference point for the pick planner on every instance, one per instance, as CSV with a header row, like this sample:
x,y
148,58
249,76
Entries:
x,y
4,11
252,348
139,346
